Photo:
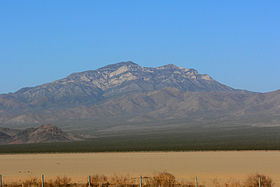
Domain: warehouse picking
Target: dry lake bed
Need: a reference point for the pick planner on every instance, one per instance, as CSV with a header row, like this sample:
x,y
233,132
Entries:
x,y
221,165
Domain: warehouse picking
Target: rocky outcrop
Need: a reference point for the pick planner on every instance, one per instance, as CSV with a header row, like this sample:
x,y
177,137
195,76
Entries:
x,y
43,134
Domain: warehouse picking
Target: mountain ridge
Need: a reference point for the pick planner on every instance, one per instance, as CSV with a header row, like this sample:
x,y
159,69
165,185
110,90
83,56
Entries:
x,y
126,93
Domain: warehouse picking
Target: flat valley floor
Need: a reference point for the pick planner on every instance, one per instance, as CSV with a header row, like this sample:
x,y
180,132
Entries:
x,y
207,166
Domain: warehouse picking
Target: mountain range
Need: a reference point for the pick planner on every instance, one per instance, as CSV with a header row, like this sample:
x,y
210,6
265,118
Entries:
x,y
128,97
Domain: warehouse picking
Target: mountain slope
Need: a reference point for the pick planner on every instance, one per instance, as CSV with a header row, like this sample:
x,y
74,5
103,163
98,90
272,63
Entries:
x,y
126,93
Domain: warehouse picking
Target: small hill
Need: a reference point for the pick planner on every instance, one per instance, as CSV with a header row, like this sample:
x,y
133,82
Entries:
x,y
43,134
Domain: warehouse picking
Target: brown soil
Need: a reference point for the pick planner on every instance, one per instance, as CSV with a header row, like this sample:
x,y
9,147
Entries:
x,y
184,165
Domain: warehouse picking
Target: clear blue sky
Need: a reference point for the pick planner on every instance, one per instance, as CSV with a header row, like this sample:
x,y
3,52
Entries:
x,y
236,42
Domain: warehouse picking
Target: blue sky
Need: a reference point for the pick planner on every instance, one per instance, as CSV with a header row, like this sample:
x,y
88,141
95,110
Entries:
x,y
236,42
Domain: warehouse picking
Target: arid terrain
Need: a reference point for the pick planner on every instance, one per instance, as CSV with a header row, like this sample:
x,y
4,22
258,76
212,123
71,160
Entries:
x,y
128,97
207,166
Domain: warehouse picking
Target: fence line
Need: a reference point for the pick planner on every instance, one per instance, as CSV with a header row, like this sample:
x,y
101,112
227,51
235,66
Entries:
x,y
43,180
88,181
91,184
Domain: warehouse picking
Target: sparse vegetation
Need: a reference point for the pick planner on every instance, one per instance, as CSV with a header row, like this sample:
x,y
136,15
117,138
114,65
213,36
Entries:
x,y
253,181
31,182
99,180
245,138
233,183
60,182
163,179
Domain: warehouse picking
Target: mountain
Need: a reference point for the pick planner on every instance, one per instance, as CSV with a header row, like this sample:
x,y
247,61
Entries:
x,y
92,86
43,134
125,96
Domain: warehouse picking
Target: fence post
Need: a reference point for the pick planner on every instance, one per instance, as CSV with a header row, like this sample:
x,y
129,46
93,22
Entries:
x,y
88,181
0,180
259,181
140,181
43,178
195,181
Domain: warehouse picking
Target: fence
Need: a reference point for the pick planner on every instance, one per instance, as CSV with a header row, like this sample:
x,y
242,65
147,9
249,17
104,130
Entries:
x,y
132,182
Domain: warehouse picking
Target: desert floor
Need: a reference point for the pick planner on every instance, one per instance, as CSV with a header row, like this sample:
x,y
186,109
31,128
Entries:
x,y
184,165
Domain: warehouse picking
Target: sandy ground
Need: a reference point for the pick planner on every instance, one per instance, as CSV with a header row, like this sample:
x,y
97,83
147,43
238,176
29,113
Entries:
x,y
184,165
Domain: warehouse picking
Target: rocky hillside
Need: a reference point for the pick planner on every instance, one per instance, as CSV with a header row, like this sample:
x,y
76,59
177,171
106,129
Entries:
x,y
127,94
43,134
113,80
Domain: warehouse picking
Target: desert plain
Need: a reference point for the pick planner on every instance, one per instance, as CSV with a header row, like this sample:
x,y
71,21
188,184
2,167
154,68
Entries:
x,y
207,166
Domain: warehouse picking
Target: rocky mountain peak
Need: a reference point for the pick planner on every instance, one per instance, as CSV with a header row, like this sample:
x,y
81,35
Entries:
x,y
129,65
116,74
169,67
117,79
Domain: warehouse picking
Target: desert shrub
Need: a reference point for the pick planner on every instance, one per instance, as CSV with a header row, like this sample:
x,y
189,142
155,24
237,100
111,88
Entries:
x,y
163,179
233,183
191,184
31,182
13,184
188,184
121,180
59,182
216,183
253,181
229,183
99,180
